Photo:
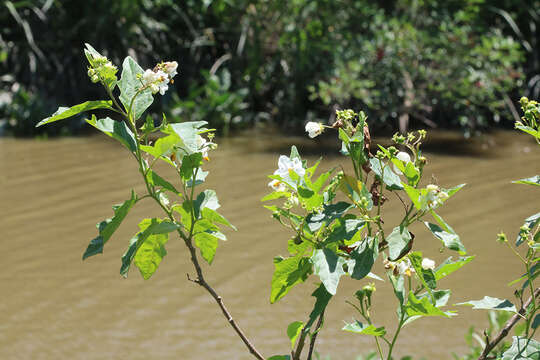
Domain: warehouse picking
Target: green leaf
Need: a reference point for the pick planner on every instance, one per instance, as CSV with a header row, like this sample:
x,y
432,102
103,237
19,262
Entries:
x,y
411,173
355,190
215,217
294,153
163,146
390,178
117,130
327,215
156,180
293,331
359,328
329,267
288,272
129,85
66,112
108,227
535,180
323,298
200,176
414,195
454,190
422,307
449,240
398,285
530,223
150,254
399,243
208,244
536,321
491,303
205,199
448,266
188,132
309,199
151,231
427,277
364,257
346,230
275,195
522,348
529,130
279,357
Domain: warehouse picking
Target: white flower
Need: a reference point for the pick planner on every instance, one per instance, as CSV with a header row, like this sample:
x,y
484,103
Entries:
x,y
169,68
157,81
433,198
405,158
314,129
405,267
204,146
428,264
287,166
163,199
277,185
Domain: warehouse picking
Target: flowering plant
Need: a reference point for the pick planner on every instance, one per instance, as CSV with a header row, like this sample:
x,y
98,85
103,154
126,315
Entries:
x,y
335,217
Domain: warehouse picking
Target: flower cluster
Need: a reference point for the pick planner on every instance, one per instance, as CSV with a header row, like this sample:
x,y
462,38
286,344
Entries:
x,y
101,69
287,169
433,198
158,78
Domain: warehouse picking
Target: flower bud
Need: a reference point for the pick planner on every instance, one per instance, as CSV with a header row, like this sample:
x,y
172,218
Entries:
x,y
501,237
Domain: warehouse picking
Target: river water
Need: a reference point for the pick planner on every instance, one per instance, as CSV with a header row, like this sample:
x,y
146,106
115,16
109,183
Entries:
x,y
55,306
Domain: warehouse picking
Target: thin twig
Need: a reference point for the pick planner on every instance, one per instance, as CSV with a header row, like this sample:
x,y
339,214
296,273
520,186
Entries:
x,y
490,345
202,282
314,337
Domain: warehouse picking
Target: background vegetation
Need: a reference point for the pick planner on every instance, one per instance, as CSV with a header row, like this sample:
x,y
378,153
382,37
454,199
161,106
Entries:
x,y
243,62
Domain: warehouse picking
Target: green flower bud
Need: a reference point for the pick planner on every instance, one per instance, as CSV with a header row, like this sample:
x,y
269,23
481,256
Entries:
x,y
501,237
392,150
398,138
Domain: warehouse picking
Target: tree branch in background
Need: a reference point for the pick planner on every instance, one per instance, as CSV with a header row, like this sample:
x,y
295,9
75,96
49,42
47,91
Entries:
x,y
490,345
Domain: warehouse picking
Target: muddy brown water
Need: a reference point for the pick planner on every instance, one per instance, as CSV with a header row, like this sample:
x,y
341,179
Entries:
x,y
55,306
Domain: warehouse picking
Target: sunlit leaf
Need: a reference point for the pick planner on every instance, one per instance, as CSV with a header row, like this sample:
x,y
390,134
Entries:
x,y
535,180
522,348
329,267
389,178
117,130
287,273
293,331
108,227
449,240
448,266
491,303
130,85
422,307
365,329
398,243
66,112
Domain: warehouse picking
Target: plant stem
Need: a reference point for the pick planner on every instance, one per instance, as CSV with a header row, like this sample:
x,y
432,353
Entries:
x,y
314,337
400,325
490,345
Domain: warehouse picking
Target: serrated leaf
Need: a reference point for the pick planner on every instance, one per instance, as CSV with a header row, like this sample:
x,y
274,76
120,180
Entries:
x,y
108,227
448,266
365,329
329,267
449,240
491,303
398,243
287,273
117,130
293,331
66,112
129,85
522,348
389,178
